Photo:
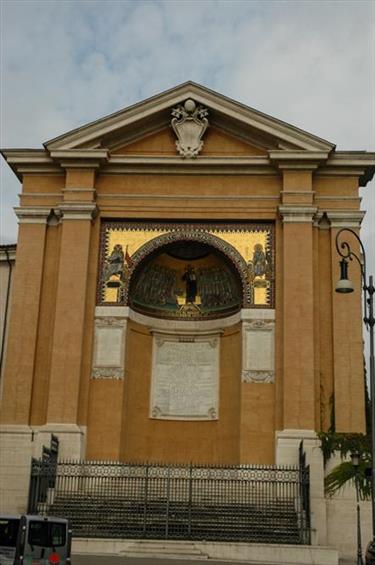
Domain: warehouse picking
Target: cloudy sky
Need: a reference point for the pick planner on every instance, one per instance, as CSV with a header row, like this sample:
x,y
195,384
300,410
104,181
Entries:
x,y
65,63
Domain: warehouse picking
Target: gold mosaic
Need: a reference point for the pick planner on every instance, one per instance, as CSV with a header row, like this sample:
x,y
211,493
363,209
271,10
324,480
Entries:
x,y
139,267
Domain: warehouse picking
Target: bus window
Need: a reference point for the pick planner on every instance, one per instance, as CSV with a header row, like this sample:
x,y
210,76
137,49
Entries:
x,y
38,532
46,534
57,534
8,532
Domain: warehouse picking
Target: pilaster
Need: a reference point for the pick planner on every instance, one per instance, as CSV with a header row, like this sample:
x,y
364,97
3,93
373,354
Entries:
x,y
348,372
298,322
20,360
62,411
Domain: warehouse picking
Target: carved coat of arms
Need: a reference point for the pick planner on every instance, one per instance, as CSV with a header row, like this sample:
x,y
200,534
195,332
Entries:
x,y
189,123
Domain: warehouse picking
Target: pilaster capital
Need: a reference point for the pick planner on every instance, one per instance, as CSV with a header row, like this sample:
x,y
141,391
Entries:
x,y
78,211
297,159
32,215
80,158
297,214
345,218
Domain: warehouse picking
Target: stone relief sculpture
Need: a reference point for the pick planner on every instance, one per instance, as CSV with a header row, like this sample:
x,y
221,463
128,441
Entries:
x,y
189,123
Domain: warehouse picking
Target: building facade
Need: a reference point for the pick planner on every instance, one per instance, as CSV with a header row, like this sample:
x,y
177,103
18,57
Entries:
x,y
173,297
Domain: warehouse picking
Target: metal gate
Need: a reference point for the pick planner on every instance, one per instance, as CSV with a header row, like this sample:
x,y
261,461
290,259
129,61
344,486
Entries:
x,y
123,500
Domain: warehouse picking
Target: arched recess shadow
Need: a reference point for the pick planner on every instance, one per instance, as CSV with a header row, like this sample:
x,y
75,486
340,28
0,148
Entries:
x,y
224,248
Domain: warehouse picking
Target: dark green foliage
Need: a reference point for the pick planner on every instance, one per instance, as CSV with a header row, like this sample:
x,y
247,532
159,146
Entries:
x,y
347,444
345,472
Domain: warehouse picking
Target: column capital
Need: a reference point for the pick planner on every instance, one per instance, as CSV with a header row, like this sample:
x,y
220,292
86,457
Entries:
x,y
80,158
345,218
32,215
297,214
78,211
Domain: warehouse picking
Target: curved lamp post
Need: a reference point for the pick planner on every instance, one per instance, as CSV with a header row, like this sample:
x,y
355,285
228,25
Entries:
x,y
355,457
345,285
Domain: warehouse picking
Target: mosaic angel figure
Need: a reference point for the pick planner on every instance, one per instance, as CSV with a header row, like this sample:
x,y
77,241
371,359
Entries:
x,y
115,264
259,264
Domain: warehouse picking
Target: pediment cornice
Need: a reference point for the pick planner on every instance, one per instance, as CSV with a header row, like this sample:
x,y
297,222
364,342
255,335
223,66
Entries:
x,y
154,113
284,146
41,161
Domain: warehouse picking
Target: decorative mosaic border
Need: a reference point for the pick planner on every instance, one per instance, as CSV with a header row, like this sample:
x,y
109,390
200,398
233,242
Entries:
x,y
189,231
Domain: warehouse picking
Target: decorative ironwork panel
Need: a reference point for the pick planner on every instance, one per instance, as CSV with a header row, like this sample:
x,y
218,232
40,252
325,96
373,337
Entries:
x,y
156,501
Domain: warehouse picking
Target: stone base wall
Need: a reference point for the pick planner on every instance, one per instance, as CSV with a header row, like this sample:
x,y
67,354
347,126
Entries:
x,y
16,450
333,519
18,444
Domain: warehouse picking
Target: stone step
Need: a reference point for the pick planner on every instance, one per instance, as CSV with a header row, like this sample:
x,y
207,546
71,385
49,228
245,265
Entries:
x,y
158,555
164,549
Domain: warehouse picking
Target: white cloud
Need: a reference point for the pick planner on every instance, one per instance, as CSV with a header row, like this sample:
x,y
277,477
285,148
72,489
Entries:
x,y
66,63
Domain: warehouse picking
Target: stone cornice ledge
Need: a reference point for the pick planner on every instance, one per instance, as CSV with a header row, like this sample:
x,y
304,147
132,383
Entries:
x,y
32,215
297,214
78,211
124,164
345,218
80,158
297,159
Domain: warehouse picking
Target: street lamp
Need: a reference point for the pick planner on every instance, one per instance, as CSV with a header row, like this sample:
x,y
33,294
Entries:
x,y
355,462
344,285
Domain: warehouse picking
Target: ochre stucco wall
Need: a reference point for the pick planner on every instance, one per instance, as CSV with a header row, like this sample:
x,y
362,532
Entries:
x,y
318,354
144,438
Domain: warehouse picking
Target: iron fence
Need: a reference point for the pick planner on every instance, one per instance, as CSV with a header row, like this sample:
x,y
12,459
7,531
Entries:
x,y
158,501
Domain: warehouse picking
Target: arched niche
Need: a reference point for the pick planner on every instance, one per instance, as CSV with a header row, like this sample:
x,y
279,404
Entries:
x,y
161,282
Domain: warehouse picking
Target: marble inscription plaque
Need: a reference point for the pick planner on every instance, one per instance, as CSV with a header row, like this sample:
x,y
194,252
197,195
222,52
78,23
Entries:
x,y
109,348
258,361
185,379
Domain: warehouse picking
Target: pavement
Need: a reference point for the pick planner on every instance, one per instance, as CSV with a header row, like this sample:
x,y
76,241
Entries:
x,y
116,560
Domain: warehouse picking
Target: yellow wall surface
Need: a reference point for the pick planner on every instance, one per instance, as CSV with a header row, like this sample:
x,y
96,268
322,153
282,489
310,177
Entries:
x,y
318,343
216,143
144,438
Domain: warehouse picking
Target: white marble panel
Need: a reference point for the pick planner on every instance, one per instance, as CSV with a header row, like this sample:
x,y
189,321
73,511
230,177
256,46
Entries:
x,y
185,377
258,357
109,347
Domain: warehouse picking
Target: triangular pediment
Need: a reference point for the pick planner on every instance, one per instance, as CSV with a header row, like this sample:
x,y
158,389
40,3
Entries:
x,y
216,143
145,128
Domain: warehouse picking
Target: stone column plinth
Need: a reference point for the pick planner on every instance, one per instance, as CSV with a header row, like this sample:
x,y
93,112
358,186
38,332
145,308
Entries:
x,y
287,452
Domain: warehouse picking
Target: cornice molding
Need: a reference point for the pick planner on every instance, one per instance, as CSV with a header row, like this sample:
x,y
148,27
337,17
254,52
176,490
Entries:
x,y
195,197
32,215
159,105
38,161
8,252
345,218
80,158
297,214
78,211
255,165
297,159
